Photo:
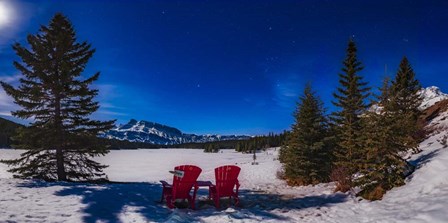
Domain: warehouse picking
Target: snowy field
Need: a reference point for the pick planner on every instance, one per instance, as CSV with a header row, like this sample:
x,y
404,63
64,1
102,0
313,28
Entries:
x,y
424,198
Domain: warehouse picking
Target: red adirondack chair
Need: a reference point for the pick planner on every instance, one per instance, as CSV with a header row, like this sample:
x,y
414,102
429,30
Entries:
x,y
183,181
226,180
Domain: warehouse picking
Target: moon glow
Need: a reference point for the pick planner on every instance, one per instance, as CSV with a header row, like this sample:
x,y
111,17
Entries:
x,y
5,14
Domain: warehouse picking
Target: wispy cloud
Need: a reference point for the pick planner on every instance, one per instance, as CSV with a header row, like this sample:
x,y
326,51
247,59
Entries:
x,y
287,90
112,113
108,105
106,90
2,113
10,79
108,95
6,103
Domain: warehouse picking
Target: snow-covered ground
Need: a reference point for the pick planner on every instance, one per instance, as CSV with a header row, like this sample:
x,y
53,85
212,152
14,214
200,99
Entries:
x,y
265,198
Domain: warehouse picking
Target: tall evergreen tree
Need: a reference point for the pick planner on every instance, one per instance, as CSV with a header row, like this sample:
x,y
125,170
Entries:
x,y
306,154
347,122
383,167
405,102
62,139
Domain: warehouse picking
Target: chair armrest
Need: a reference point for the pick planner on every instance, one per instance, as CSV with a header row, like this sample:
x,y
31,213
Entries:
x,y
195,188
165,184
204,183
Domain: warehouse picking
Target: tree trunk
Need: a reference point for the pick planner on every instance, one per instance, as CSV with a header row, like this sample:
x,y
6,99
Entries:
x,y
62,176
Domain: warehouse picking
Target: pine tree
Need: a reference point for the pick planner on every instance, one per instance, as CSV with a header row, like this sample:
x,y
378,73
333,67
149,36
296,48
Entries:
x,y
347,122
405,102
238,147
306,154
62,139
383,167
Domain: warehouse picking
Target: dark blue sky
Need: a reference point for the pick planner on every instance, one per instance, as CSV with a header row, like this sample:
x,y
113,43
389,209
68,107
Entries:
x,y
235,67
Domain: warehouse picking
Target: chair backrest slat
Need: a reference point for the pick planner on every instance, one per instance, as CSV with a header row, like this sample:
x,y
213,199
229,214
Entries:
x,y
183,185
226,178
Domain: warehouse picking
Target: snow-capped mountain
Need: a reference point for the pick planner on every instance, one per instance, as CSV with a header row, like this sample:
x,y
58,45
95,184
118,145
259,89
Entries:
x,y
151,132
431,95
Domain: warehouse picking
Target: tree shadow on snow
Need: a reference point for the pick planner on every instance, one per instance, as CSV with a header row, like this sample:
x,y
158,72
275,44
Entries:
x,y
105,202
108,202
260,205
422,160
264,201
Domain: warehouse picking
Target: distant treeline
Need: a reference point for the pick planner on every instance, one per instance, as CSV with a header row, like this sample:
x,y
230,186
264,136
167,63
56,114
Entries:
x,y
115,144
7,129
245,146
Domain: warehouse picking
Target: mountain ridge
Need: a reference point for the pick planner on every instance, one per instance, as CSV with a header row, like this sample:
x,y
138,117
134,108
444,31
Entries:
x,y
156,133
